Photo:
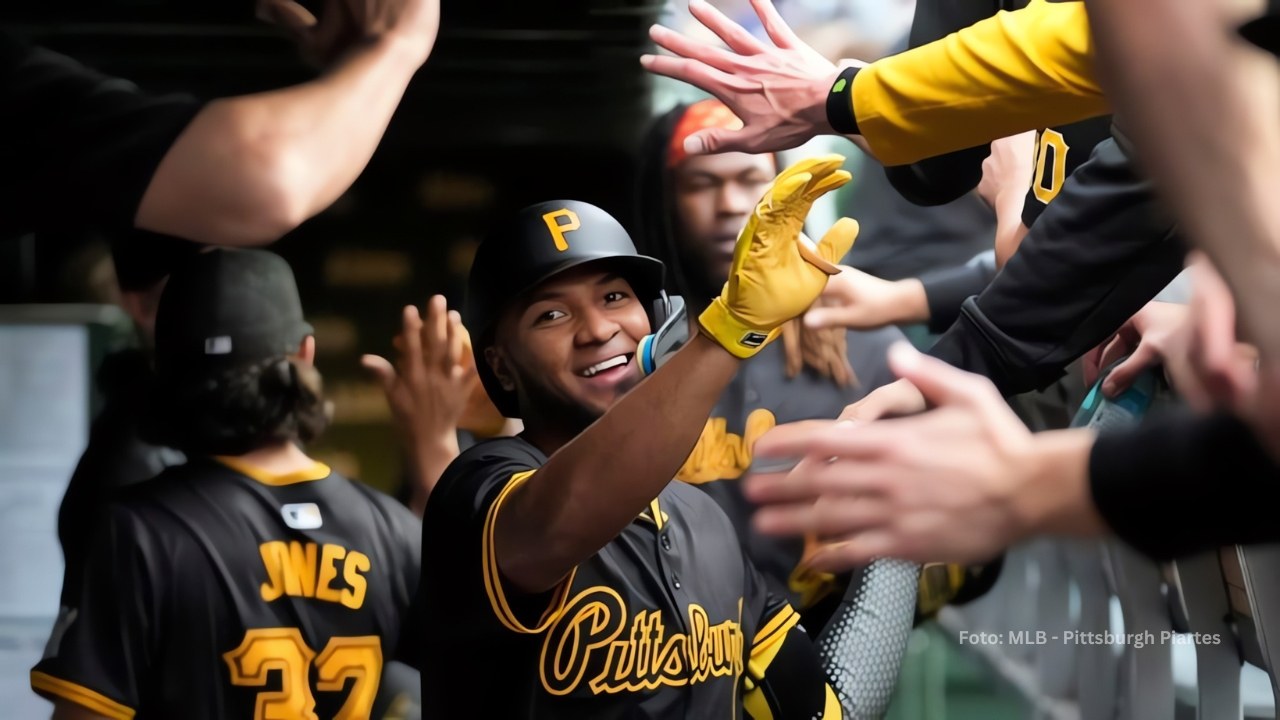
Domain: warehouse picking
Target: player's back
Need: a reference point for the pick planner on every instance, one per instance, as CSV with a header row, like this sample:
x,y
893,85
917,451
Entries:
x,y
247,595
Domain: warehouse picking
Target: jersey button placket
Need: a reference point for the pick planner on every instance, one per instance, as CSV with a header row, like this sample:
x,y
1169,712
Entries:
x,y
669,561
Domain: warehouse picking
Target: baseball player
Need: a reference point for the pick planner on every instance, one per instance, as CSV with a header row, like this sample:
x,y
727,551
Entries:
x,y
688,212
582,582
252,582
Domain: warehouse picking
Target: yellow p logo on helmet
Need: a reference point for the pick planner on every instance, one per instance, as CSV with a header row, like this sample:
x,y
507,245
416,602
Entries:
x,y
558,229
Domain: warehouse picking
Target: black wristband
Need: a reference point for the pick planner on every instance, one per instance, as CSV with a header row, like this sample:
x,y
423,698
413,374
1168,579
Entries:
x,y
840,103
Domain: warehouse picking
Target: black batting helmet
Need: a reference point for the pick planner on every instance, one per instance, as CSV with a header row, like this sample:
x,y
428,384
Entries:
x,y
540,242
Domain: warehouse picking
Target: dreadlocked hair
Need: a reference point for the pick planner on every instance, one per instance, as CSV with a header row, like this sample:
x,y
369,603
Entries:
x,y
241,409
822,350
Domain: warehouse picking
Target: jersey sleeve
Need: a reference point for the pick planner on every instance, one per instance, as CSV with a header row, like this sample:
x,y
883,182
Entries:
x,y
75,138
1009,73
462,515
942,179
100,650
784,676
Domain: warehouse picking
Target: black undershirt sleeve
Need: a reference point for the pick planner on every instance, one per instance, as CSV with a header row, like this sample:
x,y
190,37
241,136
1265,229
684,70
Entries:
x,y
1182,483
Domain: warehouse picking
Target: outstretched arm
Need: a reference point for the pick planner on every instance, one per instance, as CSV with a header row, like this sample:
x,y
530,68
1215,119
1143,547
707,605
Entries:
x,y
249,169
1004,75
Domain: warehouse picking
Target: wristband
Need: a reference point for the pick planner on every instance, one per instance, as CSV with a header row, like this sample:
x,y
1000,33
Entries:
x,y
840,113
741,340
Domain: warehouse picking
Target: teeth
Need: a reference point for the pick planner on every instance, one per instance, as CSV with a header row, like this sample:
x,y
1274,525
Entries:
x,y
606,365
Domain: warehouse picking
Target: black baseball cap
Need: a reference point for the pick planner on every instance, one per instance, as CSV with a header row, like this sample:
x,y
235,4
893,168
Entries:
x,y
1264,31
144,258
227,307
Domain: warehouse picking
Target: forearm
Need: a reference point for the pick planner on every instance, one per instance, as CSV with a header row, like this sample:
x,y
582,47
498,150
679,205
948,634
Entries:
x,y
1054,497
430,458
1004,75
1010,232
249,169
594,486
1174,80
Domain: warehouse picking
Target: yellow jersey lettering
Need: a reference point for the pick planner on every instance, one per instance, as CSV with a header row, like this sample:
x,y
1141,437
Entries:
x,y
1049,178
722,455
273,562
558,229
645,658
357,562
329,556
302,559
308,570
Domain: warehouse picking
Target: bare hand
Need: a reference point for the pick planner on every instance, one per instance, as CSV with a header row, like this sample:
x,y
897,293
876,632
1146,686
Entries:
x,y
857,300
1006,175
778,89
427,388
344,23
937,486
1150,337
1007,171
1195,343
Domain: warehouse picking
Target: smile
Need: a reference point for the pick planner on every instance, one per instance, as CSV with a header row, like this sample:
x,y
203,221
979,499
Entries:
x,y
609,364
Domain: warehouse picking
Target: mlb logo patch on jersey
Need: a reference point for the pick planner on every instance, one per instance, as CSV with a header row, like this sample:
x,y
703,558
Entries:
x,y
302,516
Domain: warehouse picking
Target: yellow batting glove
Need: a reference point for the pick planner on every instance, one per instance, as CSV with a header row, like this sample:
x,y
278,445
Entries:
x,y
776,273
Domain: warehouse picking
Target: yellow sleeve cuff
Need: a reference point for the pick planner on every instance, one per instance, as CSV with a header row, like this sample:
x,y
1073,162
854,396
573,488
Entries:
x,y
54,688
493,577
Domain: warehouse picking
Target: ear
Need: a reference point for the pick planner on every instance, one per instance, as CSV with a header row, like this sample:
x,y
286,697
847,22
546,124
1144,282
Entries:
x,y
498,364
307,350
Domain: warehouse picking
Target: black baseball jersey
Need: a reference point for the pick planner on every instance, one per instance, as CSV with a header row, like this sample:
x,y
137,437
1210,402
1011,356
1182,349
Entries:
x,y
218,591
668,620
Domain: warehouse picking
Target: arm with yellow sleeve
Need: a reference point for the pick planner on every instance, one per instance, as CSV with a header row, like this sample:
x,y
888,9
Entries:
x,y
1016,71
1012,72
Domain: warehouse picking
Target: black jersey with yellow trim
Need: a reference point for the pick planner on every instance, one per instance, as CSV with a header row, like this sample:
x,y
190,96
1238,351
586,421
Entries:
x,y
944,178
664,621
218,591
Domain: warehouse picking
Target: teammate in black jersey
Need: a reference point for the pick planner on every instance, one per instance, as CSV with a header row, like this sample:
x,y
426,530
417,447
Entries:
x,y
583,582
253,582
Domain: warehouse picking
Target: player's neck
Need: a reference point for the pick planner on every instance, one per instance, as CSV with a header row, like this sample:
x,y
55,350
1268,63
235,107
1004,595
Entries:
x,y
279,459
547,440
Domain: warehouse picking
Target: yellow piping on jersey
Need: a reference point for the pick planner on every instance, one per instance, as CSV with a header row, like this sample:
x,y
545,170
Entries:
x,y
46,684
780,624
764,649
654,514
493,576
317,471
